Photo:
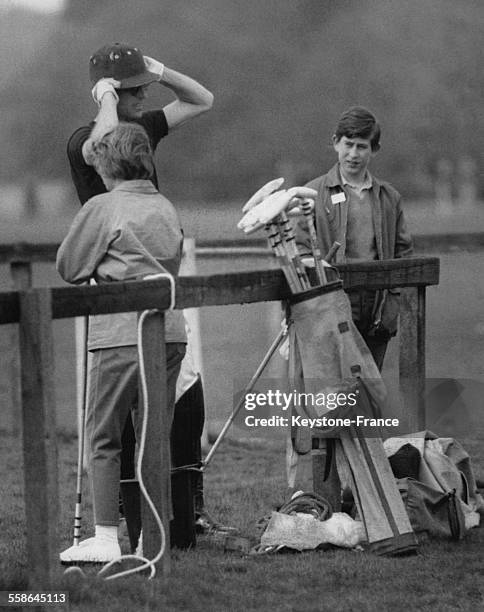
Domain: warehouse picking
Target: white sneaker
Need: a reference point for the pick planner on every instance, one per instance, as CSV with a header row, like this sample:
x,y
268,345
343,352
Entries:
x,y
92,550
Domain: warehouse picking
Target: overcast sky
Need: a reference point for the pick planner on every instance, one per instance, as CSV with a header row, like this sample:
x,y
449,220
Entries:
x,y
47,6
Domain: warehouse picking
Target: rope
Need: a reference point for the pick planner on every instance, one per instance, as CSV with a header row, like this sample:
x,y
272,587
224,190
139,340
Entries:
x,y
146,563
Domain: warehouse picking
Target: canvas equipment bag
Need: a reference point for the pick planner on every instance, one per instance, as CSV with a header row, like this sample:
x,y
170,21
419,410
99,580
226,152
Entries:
x,y
327,354
437,482
432,512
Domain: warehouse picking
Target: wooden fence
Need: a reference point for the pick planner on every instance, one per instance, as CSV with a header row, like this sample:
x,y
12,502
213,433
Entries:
x,y
35,309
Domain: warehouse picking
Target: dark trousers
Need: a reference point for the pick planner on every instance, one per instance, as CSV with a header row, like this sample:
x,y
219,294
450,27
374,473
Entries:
x,y
377,347
186,434
362,311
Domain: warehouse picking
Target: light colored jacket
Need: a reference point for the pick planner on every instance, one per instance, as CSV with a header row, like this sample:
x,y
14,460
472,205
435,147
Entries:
x,y
125,234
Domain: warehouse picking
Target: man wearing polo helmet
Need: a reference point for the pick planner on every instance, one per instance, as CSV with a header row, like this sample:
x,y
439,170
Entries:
x,y
120,75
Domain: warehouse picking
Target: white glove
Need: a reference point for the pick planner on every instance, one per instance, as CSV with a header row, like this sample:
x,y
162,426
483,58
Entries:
x,y
103,86
153,65
272,206
262,193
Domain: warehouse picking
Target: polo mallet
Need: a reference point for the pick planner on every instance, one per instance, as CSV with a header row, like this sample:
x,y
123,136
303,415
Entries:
x,y
80,450
276,244
272,349
267,209
307,208
264,207
332,251
289,239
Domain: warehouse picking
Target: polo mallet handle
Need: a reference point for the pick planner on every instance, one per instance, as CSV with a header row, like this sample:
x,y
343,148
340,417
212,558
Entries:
x,y
287,233
277,341
308,213
80,450
332,251
275,242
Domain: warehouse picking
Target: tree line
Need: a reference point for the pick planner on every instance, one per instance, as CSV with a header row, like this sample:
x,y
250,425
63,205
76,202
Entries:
x,y
282,71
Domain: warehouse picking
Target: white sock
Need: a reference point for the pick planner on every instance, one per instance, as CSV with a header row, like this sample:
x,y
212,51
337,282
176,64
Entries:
x,y
107,532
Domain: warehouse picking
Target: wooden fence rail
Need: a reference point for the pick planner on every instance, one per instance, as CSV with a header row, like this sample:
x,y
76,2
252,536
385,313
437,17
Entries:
x,y
219,289
34,310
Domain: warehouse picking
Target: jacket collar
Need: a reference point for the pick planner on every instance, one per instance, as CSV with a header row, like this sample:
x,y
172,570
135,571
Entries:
x,y
333,178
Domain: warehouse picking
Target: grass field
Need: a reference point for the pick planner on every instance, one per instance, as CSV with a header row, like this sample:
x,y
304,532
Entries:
x,y
247,480
243,484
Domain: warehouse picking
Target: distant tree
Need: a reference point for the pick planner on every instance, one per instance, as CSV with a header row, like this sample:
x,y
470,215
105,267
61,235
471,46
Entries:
x,y
281,70
75,11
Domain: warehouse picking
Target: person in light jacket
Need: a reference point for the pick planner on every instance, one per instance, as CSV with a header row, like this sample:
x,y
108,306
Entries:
x,y
127,233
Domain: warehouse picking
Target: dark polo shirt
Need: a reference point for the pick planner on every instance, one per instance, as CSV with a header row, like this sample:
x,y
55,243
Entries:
x,y
86,180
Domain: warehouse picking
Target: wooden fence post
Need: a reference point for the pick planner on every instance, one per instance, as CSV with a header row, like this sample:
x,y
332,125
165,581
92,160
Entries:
x,y
39,437
412,356
156,460
21,279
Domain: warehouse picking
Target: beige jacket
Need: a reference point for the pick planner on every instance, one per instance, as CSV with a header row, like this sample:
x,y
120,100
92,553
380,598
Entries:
x,y
125,234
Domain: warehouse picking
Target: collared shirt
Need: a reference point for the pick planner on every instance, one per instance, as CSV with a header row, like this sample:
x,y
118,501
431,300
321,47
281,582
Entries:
x,y
125,234
366,184
360,234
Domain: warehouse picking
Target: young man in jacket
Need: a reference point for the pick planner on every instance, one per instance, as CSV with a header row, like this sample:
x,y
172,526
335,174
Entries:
x,y
120,75
364,214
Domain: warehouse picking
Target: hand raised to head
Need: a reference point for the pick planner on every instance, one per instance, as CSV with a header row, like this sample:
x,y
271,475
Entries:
x,y
104,86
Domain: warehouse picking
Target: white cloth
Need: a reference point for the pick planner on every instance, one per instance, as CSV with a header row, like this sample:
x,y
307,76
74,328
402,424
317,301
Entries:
x,y
302,531
188,372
